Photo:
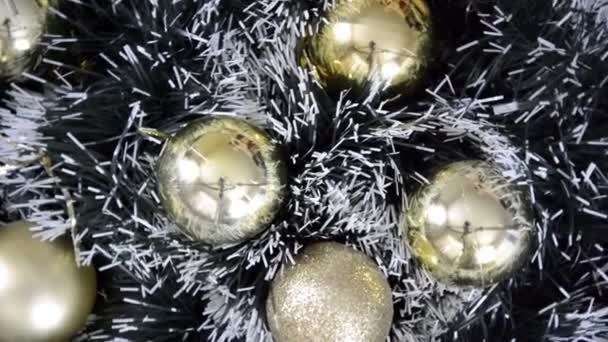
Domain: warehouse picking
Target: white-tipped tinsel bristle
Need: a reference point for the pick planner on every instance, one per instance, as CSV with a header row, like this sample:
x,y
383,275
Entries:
x,y
521,84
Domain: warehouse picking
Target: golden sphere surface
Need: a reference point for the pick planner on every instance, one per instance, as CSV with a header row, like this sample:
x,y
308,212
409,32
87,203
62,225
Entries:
x,y
221,180
363,41
44,296
469,226
23,24
331,293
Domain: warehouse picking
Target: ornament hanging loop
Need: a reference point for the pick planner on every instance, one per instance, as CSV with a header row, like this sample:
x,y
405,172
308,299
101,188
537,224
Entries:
x,y
151,132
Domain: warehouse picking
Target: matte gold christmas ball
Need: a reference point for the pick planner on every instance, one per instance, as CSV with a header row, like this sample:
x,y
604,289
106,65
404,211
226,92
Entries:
x,y
221,180
44,296
331,293
386,41
470,226
23,24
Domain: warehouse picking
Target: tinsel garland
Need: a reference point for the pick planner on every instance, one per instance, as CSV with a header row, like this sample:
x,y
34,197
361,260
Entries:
x,y
521,83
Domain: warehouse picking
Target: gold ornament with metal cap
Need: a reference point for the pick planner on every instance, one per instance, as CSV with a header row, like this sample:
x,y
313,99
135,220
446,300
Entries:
x,y
44,295
331,293
470,225
221,180
363,41
23,23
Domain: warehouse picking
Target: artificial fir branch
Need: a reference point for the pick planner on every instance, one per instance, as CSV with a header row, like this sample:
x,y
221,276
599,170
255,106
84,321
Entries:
x,y
520,83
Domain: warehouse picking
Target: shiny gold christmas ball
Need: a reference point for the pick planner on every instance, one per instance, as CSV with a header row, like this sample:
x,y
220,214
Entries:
x,y
23,24
221,180
367,41
470,226
331,293
44,296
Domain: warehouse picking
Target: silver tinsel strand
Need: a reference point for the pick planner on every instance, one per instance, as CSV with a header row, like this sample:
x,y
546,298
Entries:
x,y
523,95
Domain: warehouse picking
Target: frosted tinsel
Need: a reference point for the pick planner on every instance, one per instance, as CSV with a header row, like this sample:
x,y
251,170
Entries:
x,y
521,83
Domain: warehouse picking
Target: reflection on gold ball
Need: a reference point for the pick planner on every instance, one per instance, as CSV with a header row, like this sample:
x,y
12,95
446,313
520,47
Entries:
x,y
469,225
44,296
386,41
221,180
331,293
23,24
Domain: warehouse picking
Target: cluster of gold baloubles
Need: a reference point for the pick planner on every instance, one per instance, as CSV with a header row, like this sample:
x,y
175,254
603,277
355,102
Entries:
x,y
223,181
469,226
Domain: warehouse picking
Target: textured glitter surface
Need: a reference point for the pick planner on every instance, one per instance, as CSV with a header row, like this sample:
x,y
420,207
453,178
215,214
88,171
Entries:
x,y
332,293
387,41
469,226
221,180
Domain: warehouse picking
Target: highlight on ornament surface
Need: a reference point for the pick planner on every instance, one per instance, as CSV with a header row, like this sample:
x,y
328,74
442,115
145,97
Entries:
x,y
23,24
331,293
44,295
386,41
523,82
469,225
221,179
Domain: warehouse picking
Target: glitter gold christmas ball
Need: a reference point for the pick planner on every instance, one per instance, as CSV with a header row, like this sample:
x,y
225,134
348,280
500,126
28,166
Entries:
x,y
23,24
331,293
470,226
44,296
370,41
221,180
